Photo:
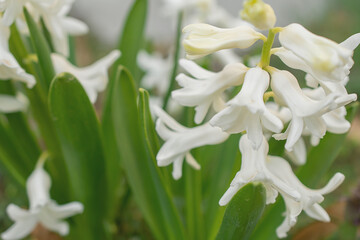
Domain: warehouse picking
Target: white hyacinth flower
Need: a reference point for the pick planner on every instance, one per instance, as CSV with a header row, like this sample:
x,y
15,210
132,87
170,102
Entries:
x,y
334,120
157,71
179,140
203,39
208,88
93,78
43,210
328,60
309,200
247,111
306,112
9,67
254,170
312,78
298,153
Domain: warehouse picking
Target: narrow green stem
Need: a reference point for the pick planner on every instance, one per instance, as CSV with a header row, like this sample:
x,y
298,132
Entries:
x,y
193,193
176,60
265,54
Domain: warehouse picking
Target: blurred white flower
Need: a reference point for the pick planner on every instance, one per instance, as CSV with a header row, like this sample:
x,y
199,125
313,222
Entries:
x,y
11,9
326,60
157,71
203,39
54,14
197,11
247,111
208,88
59,24
309,200
9,67
10,104
93,78
254,170
179,140
42,209
227,56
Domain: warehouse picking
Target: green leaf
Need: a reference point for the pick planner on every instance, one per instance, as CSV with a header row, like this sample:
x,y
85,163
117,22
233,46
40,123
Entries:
x,y
223,160
78,129
112,158
143,175
20,129
319,160
42,50
129,44
12,160
243,213
132,38
148,125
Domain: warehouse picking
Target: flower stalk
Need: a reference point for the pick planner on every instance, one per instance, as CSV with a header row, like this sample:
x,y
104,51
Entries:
x,y
266,50
176,60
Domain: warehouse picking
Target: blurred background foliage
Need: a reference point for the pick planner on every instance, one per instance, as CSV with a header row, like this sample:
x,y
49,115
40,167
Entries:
x,y
338,20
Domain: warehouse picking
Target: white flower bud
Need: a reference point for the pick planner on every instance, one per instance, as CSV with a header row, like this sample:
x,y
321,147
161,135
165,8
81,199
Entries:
x,y
203,39
258,13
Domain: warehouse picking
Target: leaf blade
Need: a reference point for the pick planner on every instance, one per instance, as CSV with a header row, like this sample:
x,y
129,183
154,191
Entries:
x,y
78,129
251,201
143,176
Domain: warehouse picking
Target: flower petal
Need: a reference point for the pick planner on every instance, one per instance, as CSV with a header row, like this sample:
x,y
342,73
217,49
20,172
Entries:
x,y
20,229
66,210
195,70
38,187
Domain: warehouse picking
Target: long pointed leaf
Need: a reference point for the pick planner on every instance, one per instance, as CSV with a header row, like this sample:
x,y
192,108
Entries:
x,y
143,176
42,50
132,37
224,159
78,128
129,44
243,213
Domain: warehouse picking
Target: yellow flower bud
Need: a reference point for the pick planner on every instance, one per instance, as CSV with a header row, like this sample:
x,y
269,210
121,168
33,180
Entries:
x,y
258,13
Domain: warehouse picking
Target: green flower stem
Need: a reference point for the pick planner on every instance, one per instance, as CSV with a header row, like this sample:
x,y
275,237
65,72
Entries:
x,y
193,193
265,54
176,60
40,110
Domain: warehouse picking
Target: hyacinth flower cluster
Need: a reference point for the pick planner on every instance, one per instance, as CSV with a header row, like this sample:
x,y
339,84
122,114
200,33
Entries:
x,y
269,104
